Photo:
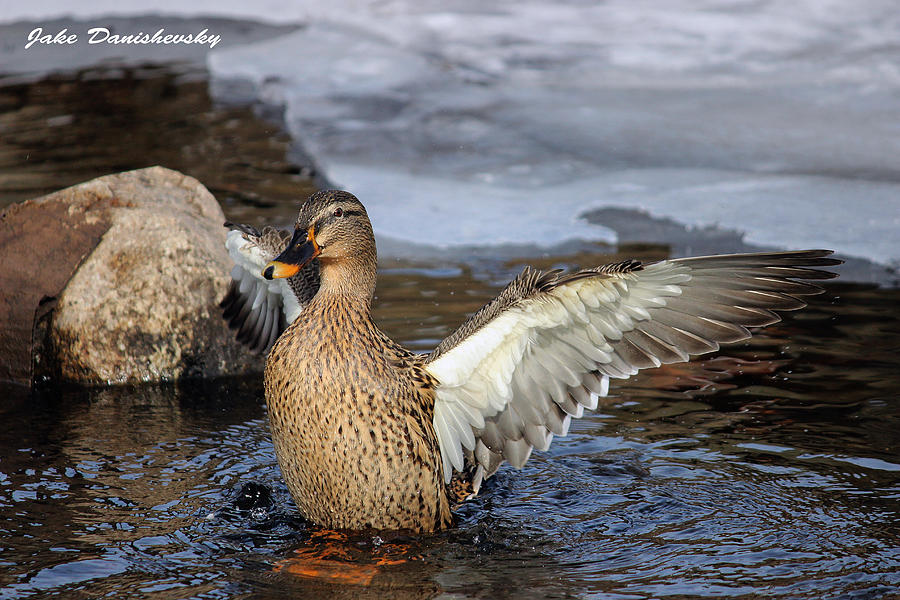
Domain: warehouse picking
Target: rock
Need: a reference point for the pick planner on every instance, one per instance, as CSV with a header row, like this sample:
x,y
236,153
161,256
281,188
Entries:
x,y
117,280
41,244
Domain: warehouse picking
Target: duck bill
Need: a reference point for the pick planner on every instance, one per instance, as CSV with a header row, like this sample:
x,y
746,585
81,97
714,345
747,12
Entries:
x,y
299,252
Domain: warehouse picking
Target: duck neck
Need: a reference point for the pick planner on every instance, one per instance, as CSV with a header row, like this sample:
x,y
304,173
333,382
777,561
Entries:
x,y
350,281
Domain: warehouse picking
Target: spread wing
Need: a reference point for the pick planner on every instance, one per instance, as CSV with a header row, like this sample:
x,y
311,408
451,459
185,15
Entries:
x,y
257,308
519,369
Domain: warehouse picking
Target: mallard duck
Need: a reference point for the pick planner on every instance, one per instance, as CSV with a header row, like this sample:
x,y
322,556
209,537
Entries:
x,y
371,435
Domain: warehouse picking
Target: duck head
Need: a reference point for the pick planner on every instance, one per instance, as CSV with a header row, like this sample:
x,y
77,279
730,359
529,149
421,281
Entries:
x,y
332,226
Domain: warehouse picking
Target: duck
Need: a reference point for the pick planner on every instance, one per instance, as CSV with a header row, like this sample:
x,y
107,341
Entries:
x,y
369,435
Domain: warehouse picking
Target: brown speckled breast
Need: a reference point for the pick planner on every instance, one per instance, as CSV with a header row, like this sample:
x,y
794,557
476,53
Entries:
x,y
351,417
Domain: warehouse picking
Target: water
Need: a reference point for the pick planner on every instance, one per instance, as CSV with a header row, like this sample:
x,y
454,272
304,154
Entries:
x,y
768,470
68,128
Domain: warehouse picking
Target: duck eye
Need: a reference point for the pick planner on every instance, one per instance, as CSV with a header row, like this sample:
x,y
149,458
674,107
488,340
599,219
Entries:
x,y
339,212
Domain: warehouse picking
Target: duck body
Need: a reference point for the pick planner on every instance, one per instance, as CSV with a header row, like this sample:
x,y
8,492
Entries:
x,y
349,411
369,435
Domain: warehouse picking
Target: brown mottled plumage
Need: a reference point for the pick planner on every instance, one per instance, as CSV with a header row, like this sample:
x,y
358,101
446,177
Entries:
x,y
350,409
368,434
352,428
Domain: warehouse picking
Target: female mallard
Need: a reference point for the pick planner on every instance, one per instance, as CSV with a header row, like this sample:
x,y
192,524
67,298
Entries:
x,y
368,434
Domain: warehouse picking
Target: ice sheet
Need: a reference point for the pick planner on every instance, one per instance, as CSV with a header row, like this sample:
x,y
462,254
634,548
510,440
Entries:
x,y
467,121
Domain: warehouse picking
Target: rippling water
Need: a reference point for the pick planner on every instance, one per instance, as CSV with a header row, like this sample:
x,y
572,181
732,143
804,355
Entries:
x,y
768,470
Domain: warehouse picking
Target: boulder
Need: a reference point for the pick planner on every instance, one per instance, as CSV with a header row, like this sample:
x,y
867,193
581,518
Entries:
x,y
117,280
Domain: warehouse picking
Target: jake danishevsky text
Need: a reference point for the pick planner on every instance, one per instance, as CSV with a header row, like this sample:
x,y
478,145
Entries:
x,y
103,35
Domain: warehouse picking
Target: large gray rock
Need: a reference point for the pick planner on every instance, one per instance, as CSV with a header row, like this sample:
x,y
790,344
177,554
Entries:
x,y
117,280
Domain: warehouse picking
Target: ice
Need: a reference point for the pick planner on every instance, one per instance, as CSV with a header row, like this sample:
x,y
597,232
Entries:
x,y
465,122
431,216
435,213
489,123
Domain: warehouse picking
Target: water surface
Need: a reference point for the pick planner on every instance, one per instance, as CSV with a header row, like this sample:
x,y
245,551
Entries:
x,y
767,470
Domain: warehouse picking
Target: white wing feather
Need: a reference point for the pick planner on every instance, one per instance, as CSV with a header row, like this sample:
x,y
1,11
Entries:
x,y
519,377
258,308
544,343
249,262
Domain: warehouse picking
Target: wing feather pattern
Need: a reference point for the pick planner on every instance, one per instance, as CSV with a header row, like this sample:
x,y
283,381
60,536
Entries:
x,y
517,372
260,310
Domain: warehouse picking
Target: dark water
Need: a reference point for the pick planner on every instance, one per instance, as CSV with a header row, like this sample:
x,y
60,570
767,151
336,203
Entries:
x,y
70,128
768,470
